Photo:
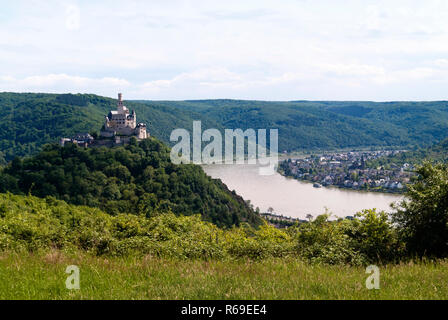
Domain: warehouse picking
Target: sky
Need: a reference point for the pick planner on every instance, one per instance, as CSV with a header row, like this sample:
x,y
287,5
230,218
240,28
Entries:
x,y
261,50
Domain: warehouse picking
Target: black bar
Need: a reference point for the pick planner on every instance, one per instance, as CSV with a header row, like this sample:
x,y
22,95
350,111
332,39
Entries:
x,y
239,309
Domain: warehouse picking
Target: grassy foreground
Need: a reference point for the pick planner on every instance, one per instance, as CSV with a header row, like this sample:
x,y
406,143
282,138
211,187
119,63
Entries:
x,y
42,276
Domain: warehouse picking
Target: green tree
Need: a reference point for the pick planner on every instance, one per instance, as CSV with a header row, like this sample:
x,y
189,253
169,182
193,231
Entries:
x,y
374,236
423,218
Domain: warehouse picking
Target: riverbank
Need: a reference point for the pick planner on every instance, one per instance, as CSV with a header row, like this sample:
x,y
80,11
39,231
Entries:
x,y
351,170
42,276
400,192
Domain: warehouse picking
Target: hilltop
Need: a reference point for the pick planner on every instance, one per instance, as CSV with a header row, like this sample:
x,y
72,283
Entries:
x,y
138,178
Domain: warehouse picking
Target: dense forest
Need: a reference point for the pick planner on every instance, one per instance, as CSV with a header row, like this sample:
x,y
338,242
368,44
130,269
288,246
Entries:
x,y
30,120
324,125
138,178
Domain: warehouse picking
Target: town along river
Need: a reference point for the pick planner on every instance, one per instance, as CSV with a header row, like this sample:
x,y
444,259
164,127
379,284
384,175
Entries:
x,y
294,198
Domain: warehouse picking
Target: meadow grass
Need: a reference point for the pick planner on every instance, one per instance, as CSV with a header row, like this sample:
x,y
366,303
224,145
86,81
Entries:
x,y
42,276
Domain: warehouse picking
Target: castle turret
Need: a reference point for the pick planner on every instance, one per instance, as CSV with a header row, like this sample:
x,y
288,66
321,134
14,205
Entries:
x,y
120,102
141,132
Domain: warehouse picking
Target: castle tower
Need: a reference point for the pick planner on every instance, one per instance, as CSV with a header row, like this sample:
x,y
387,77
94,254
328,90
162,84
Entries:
x,y
141,132
120,106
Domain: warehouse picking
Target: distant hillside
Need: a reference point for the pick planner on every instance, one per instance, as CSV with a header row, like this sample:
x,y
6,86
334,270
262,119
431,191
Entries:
x,y
331,124
138,178
435,153
30,120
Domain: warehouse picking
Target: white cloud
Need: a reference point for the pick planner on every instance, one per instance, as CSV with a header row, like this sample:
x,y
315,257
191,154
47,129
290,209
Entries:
x,y
59,83
442,63
213,49
353,69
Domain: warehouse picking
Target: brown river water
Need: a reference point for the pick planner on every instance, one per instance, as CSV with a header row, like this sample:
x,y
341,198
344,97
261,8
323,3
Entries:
x,y
294,198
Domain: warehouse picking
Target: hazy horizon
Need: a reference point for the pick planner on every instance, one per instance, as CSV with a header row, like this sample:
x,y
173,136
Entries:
x,y
205,99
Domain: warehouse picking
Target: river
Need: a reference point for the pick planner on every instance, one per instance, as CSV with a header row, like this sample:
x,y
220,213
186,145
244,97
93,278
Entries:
x,y
295,198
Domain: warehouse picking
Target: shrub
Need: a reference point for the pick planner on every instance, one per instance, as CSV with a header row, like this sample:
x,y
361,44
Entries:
x,y
325,241
29,223
374,236
423,219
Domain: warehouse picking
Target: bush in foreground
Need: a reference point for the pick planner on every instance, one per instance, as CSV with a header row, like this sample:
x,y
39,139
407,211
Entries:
x,y
32,224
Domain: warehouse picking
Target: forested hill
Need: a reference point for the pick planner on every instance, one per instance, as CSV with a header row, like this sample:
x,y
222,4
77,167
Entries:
x,y
138,178
30,120
331,124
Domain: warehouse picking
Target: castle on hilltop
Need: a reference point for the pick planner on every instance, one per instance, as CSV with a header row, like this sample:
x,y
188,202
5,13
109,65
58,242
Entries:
x,y
121,122
119,127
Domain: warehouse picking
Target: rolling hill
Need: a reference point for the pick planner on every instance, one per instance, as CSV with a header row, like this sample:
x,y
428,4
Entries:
x,y
138,178
29,120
